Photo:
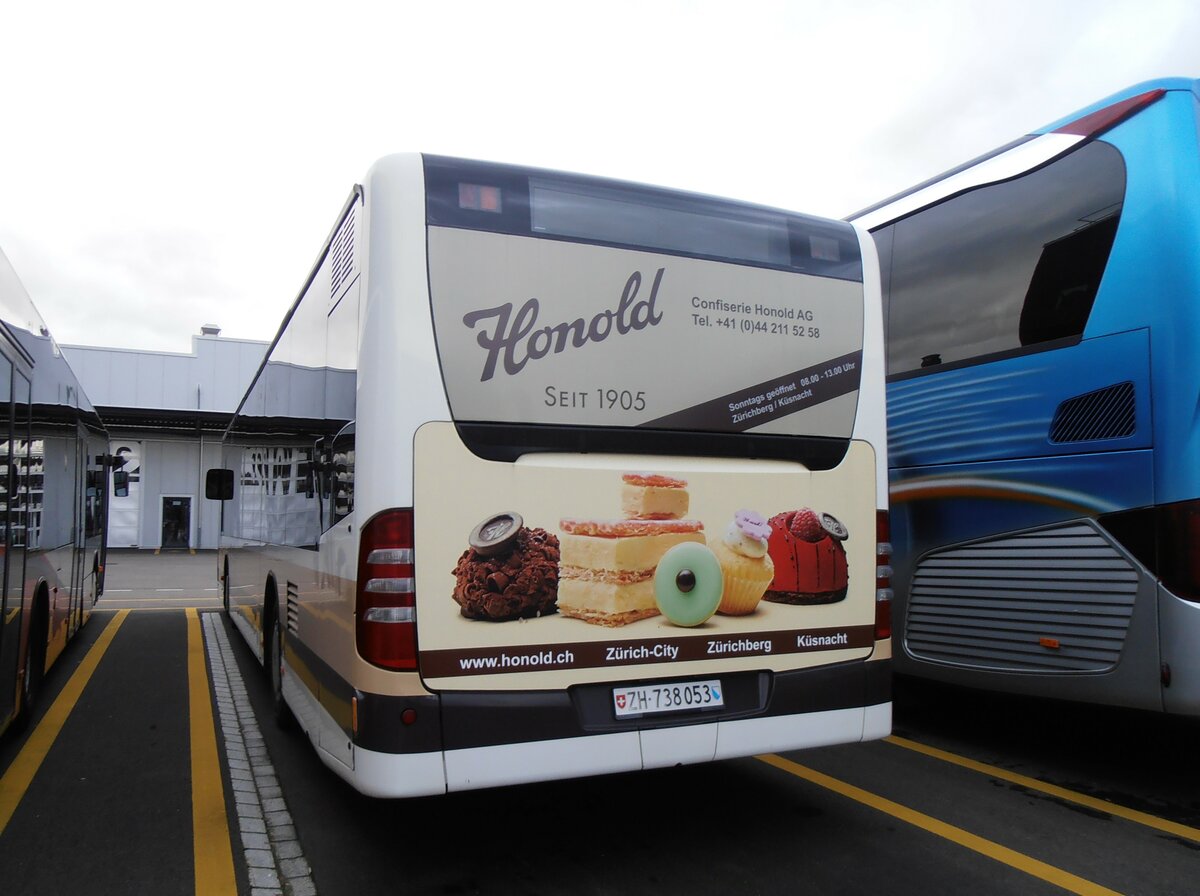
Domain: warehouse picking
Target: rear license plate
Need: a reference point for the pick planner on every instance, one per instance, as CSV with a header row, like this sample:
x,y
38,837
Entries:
x,y
647,699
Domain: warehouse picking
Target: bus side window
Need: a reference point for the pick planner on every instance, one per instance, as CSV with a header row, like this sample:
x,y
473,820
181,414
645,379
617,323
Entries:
x,y
341,475
1065,282
1003,266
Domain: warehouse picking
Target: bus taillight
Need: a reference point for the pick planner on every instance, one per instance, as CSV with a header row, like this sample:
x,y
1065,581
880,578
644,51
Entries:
x,y
883,576
1178,557
1101,120
1164,539
386,613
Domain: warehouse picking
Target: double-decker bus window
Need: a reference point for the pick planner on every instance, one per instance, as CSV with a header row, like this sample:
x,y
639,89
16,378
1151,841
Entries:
x,y
973,276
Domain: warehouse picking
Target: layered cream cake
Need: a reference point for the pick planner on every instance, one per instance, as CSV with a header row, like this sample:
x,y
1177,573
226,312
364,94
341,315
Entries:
x,y
648,496
606,567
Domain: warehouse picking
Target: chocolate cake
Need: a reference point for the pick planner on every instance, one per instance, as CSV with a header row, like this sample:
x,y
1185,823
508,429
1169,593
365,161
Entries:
x,y
520,581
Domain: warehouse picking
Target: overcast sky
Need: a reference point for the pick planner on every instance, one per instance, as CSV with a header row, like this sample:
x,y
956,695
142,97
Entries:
x,y
164,166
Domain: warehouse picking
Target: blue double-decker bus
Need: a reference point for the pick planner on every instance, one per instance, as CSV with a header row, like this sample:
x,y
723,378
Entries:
x,y
1042,306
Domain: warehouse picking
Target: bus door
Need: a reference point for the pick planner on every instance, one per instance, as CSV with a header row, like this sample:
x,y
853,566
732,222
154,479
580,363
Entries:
x,y
81,528
10,590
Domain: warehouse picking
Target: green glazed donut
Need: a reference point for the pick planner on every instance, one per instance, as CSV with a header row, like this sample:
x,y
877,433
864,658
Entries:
x,y
688,584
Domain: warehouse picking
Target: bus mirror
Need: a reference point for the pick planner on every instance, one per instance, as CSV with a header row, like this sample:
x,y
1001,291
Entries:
x,y
218,485
120,484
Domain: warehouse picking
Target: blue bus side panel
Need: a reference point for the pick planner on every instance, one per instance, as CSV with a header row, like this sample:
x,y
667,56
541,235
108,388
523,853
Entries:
x,y
971,454
933,507
1153,278
1005,409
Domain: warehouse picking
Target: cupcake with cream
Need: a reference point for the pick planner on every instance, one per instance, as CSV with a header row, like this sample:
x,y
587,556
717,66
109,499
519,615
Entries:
x,y
745,563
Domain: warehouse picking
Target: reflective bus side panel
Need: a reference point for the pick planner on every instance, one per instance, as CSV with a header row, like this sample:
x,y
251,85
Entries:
x,y
1039,306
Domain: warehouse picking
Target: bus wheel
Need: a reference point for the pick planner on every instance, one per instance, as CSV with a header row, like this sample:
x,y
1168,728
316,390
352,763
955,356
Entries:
x,y
283,715
35,663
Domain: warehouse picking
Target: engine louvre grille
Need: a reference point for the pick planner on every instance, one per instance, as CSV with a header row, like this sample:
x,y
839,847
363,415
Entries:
x,y
293,608
1005,603
342,257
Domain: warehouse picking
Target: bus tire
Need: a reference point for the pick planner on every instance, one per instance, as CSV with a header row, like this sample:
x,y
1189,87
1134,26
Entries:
x,y
35,661
274,655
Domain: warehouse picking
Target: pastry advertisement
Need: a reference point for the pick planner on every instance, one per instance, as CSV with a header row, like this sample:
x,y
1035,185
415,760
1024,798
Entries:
x,y
568,567
557,333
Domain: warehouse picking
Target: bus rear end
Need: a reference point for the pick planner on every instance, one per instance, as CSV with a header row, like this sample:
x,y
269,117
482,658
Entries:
x,y
652,528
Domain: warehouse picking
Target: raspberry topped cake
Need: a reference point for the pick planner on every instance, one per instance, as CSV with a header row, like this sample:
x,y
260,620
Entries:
x,y
810,562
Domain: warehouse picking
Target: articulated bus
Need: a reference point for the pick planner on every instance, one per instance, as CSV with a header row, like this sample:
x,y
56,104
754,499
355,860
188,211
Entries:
x,y
547,476
53,482
1042,305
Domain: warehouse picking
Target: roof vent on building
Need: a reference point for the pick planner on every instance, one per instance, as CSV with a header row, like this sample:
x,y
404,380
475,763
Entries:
x,y
210,330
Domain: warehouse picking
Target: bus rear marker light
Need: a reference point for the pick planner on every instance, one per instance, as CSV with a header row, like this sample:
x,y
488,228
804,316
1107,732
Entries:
x,y
883,576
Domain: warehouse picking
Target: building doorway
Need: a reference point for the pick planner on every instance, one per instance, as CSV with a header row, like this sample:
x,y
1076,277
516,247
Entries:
x,y
176,522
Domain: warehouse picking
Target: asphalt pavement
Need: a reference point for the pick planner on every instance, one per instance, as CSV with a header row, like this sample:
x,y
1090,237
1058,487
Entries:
x,y
145,579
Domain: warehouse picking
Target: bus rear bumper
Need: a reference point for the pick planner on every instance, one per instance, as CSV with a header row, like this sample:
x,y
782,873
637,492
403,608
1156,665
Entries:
x,y
1179,625
424,774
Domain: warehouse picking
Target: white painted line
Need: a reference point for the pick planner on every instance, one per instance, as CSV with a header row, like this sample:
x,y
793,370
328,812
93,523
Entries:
x,y
274,859
108,602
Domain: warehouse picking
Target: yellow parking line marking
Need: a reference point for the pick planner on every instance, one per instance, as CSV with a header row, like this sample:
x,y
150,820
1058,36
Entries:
x,y
991,850
20,774
1143,818
210,825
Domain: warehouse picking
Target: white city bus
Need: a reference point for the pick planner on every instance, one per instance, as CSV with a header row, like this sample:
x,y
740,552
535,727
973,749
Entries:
x,y
547,476
53,484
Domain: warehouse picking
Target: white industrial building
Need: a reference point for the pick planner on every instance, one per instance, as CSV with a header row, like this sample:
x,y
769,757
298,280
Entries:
x,y
165,413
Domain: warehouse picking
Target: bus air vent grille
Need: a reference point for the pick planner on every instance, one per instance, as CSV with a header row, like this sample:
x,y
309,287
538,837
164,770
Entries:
x,y
341,257
1052,600
1107,413
293,608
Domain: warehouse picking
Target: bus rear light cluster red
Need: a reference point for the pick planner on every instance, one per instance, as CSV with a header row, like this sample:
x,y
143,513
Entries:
x,y
1164,538
386,612
1110,116
883,576
1178,548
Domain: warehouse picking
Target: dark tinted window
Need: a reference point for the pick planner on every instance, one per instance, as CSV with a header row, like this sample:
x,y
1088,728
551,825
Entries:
x,y
341,479
505,199
1004,266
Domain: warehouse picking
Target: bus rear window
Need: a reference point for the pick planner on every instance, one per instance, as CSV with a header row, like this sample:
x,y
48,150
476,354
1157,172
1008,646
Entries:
x,y
608,215
526,202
